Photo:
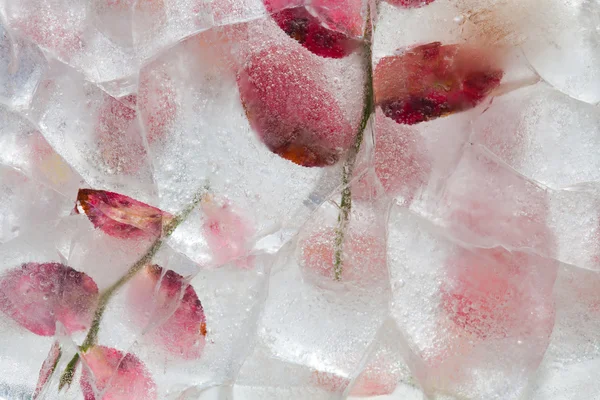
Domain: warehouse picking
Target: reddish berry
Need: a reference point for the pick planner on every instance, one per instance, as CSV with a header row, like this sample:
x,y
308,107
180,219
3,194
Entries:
x,y
37,296
183,333
433,80
111,375
121,216
288,108
301,25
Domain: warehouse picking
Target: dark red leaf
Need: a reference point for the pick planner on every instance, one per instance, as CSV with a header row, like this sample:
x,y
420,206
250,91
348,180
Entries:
x,y
121,216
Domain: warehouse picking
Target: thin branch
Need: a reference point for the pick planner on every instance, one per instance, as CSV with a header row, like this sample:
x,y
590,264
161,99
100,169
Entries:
x,y
348,168
92,335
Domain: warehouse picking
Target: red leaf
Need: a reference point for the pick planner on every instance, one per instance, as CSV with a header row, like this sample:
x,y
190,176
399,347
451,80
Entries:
x,y
115,375
286,105
183,333
308,30
36,296
434,80
121,216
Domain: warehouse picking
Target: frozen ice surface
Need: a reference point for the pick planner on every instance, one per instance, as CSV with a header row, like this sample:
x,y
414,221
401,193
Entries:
x,y
75,33
18,378
231,306
205,138
99,135
344,315
22,66
480,319
465,268
545,135
486,203
24,148
570,366
568,58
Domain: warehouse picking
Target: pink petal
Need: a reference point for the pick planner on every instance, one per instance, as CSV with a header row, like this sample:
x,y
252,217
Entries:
x,y
50,31
116,376
47,369
36,296
118,135
227,233
121,216
374,383
368,383
183,333
283,96
158,103
490,293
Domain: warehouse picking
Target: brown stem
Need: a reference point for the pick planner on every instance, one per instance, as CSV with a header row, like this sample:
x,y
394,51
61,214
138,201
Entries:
x,y
92,335
348,168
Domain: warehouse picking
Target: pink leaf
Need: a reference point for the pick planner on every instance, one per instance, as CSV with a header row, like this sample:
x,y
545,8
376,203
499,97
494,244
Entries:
x,y
183,333
47,369
121,216
434,80
286,105
227,233
37,296
115,376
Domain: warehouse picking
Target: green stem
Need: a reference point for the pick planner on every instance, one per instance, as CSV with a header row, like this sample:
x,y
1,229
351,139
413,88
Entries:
x,y
348,168
92,335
